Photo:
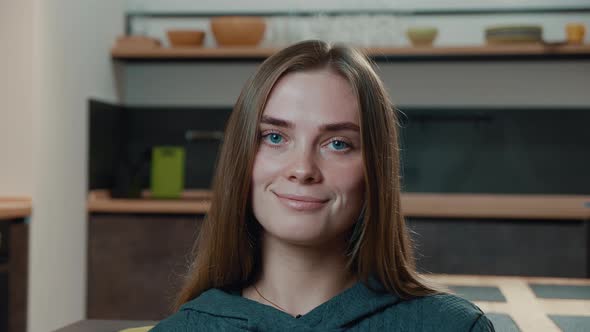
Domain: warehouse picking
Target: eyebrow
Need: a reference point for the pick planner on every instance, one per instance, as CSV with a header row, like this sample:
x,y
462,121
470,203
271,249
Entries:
x,y
339,126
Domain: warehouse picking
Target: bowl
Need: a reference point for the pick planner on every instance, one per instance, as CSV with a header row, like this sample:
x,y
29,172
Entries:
x,y
185,38
142,42
510,34
422,36
238,30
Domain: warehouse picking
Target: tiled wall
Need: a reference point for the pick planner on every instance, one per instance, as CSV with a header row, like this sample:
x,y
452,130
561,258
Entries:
x,y
350,5
124,153
372,30
500,151
366,23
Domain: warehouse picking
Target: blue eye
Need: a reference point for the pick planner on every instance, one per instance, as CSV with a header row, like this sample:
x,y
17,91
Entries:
x,y
274,138
339,145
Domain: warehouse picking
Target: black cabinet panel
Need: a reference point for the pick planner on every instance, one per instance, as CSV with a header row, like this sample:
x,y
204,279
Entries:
x,y
13,275
4,301
136,264
4,240
121,138
548,248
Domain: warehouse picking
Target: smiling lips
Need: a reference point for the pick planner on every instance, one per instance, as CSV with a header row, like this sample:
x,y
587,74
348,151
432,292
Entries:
x,y
301,203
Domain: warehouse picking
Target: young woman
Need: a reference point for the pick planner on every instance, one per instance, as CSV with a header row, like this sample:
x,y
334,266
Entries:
x,y
305,231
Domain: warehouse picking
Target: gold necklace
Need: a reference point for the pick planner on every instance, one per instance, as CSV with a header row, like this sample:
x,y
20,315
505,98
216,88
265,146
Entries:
x,y
271,302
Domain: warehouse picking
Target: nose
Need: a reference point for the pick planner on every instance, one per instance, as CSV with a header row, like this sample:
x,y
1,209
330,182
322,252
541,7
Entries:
x,y
303,167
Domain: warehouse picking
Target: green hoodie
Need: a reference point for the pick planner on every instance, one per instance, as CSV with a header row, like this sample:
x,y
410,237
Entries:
x,y
358,308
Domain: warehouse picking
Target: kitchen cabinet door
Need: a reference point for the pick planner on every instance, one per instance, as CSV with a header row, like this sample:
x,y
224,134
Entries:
x,y
136,263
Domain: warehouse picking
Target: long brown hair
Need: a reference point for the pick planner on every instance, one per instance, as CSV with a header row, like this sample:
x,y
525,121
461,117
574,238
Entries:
x,y
227,251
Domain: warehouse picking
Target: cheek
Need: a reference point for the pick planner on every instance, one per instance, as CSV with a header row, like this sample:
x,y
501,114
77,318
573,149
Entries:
x,y
256,170
260,180
347,178
264,169
348,182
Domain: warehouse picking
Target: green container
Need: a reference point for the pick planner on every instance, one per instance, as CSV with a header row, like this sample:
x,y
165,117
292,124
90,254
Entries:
x,y
167,174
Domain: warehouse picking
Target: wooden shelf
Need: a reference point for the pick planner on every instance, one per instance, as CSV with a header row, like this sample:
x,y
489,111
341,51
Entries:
x,y
413,205
14,208
139,53
496,206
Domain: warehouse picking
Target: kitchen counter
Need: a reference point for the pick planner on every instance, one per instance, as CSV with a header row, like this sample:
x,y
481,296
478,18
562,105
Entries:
x,y
422,205
191,202
498,206
14,208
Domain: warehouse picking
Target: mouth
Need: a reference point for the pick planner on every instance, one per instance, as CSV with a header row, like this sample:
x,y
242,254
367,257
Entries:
x,y
301,203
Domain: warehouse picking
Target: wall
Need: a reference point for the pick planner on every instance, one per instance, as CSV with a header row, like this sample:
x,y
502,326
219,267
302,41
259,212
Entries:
x,y
373,22
419,83
306,5
16,31
71,65
366,28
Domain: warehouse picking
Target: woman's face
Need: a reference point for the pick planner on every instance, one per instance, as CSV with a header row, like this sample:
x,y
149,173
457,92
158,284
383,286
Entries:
x,y
307,181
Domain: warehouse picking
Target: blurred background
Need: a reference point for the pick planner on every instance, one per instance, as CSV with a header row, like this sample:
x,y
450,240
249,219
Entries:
x,y
111,115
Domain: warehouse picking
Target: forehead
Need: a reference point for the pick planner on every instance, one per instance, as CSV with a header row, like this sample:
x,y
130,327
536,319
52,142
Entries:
x,y
315,96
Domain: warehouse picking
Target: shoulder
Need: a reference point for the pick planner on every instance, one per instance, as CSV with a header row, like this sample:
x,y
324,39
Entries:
x,y
445,312
450,306
182,321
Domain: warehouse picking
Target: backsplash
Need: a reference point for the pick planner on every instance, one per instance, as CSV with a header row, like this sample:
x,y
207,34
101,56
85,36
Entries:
x,y
498,151
135,130
369,28
455,150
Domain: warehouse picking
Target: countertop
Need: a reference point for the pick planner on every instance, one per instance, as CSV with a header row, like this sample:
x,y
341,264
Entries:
x,y
420,205
191,202
15,207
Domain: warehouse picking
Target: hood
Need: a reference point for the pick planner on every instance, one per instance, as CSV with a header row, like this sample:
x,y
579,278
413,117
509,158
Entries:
x,y
344,310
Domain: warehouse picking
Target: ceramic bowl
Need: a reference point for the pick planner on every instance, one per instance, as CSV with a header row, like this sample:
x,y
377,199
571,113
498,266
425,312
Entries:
x,y
185,38
238,30
422,36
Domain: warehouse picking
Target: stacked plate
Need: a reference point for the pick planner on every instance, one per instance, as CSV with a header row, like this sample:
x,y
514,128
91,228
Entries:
x,y
509,34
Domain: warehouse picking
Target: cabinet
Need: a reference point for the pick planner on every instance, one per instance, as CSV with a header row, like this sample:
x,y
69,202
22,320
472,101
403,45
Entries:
x,y
508,247
13,274
136,263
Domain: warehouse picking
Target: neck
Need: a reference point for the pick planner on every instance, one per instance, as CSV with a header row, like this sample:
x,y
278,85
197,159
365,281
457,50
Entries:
x,y
296,279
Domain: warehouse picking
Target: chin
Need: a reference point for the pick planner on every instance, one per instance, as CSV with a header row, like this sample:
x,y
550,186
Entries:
x,y
301,240
301,230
